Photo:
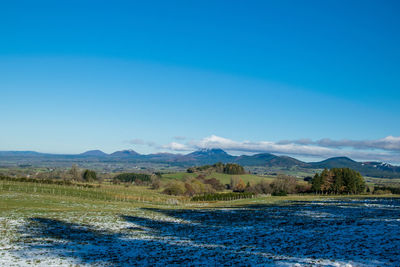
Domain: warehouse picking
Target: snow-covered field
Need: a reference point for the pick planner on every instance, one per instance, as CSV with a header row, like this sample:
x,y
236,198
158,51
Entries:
x,y
334,233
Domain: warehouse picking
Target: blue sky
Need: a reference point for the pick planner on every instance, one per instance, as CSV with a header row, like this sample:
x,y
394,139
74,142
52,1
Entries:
x,y
181,75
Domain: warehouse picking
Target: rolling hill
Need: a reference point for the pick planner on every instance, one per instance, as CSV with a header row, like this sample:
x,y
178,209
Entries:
x,y
197,158
269,160
125,153
336,162
94,153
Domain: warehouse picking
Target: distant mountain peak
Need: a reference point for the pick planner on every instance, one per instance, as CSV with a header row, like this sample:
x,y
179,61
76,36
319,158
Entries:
x,y
207,156
339,160
95,152
211,151
125,153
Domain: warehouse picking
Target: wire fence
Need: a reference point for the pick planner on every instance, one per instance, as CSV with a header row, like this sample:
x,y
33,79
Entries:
x,y
94,193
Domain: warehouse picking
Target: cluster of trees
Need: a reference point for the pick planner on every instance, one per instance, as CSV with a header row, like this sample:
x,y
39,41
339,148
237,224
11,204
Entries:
x,y
229,168
338,181
136,178
232,168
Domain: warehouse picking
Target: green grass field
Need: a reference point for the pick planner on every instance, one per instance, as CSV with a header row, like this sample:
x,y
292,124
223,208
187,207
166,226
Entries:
x,y
223,178
24,195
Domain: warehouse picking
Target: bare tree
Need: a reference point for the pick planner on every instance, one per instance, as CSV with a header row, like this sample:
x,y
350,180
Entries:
x,y
74,172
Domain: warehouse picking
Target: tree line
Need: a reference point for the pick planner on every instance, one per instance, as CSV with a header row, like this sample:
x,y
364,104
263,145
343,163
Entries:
x,y
338,181
228,168
44,181
137,178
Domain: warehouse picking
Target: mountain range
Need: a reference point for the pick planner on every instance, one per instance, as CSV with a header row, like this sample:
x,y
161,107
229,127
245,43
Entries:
x,y
208,156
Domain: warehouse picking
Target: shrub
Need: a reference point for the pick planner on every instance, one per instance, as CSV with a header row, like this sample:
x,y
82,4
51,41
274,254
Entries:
x,y
175,188
44,181
240,186
279,193
303,188
155,183
389,189
381,192
263,187
284,183
197,187
189,190
215,184
89,175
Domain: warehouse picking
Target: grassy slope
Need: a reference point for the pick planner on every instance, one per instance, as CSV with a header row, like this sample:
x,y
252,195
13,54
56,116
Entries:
x,y
20,197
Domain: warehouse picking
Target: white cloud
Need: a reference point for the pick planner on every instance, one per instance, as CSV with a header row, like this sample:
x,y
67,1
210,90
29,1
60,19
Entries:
x,y
176,147
389,143
214,141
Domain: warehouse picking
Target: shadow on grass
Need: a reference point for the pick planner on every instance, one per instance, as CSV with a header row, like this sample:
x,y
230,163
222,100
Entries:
x,y
149,246
257,235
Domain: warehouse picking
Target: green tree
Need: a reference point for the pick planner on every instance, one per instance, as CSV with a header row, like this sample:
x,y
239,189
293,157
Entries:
x,y
338,184
326,181
89,175
316,183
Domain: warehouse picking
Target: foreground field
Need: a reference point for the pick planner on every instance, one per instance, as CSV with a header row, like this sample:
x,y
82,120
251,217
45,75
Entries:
x,y
45,228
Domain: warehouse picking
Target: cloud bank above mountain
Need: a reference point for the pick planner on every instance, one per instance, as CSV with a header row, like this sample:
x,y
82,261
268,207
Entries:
x,y
389,143
385,149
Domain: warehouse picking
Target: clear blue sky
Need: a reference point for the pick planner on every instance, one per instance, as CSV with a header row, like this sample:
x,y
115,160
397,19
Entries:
x,y
79,75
